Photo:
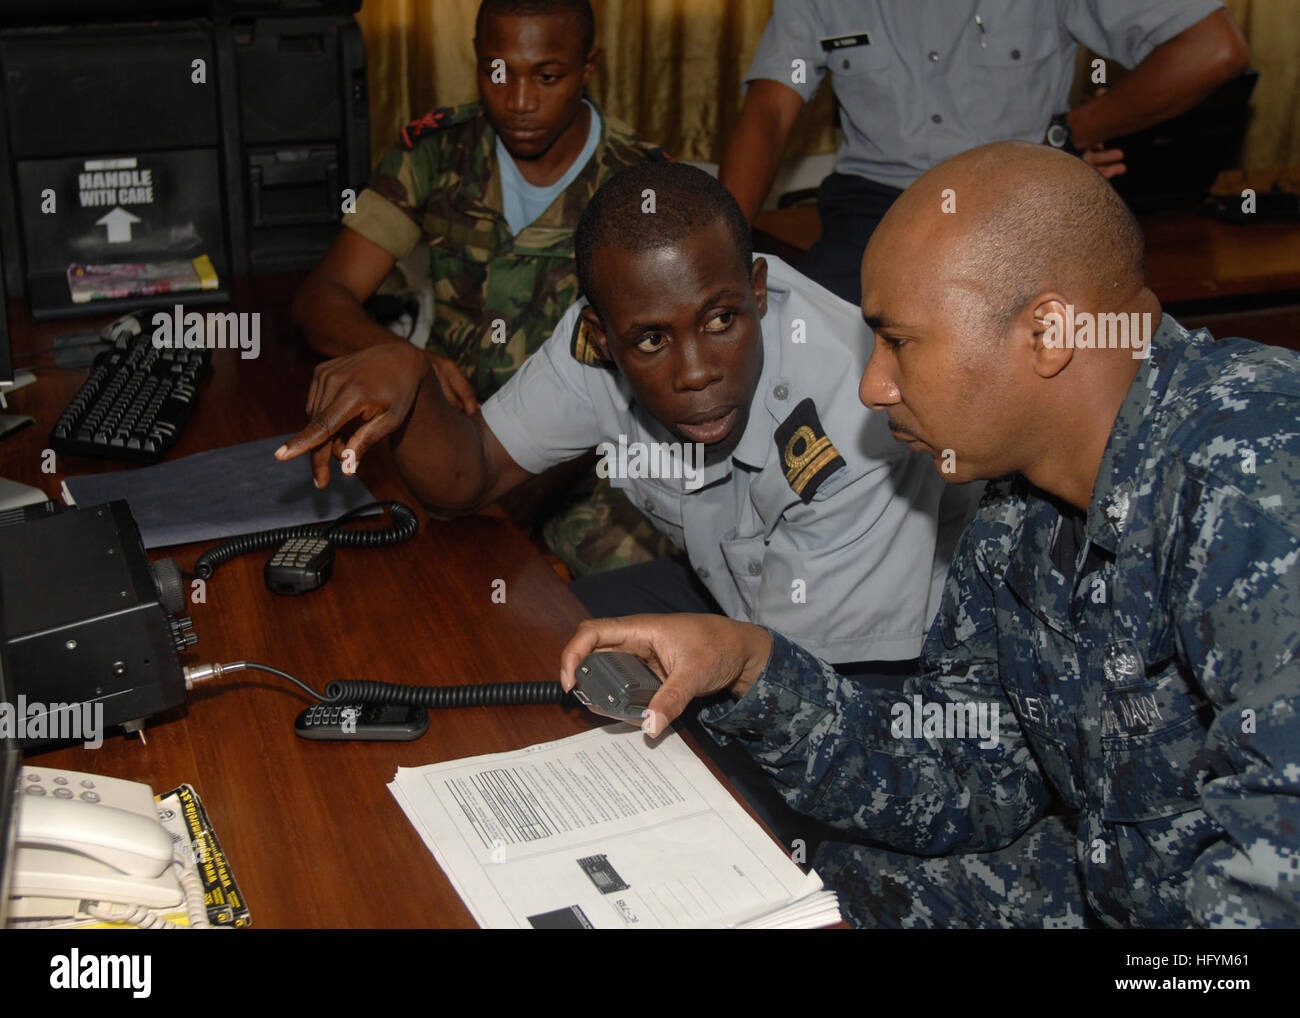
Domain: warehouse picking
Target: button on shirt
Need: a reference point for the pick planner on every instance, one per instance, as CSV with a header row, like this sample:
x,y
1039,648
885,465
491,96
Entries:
x,y
919,81
857,571
1143,660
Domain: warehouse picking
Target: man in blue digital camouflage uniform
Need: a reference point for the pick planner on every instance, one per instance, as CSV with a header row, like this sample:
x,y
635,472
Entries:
x,y
1106,727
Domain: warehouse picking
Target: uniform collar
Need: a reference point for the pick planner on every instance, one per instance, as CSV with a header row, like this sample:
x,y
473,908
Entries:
x,y
557,222
1120,476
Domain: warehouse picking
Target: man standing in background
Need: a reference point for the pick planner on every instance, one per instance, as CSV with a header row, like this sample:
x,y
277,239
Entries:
x,y
920,81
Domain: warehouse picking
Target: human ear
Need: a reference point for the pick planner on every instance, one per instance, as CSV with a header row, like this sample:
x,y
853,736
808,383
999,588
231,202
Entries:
x,y
1046,326
589,68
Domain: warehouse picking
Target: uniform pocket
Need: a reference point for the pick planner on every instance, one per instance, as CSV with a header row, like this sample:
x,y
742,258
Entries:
x,y
657,504
1012,47
1054,761
454,236
861,58
744,558
1155,756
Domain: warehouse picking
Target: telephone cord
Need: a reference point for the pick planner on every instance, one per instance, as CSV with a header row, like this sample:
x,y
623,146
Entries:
x,y
403,528
487,694
145,918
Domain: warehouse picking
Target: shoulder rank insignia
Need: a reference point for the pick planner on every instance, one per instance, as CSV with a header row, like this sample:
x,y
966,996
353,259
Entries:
x,y
432,121
807,455
584,348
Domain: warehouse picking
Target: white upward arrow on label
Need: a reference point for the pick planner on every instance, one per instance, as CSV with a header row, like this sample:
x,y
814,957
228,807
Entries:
x,y
119,225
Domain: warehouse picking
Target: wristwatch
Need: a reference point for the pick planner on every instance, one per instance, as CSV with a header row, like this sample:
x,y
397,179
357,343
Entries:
x,y
1060,136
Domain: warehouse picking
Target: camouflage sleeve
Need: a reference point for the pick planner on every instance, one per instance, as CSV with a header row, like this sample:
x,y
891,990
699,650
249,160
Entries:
x,y
388,211
850,755
1236,596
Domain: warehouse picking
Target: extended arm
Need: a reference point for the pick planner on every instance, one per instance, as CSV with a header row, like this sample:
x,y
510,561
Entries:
x,y
451,460
328,306
830,745
754,148
1174,77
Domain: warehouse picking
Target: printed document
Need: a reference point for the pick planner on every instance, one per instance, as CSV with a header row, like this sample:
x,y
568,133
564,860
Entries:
x,y
604,830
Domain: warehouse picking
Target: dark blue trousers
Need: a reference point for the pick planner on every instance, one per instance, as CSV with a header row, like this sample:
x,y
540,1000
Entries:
x,y
850,208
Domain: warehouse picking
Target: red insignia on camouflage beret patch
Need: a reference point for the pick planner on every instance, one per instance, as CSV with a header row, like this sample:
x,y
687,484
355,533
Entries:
x,y
431,121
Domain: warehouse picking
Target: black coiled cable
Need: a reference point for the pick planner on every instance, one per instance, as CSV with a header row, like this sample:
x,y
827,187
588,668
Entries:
x,y
491,694
403,528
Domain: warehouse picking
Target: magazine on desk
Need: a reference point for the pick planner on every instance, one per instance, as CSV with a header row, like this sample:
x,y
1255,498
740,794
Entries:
x,y
88,283
605,830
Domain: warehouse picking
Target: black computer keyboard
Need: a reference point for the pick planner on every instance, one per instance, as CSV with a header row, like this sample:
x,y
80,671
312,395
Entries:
x,y
134,404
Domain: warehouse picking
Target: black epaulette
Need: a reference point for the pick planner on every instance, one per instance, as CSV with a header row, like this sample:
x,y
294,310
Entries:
x,y
807,455
434,120
584,348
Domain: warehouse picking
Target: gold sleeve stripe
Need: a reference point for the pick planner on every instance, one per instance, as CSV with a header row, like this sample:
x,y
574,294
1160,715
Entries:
x,y
585,350
803,464
813,469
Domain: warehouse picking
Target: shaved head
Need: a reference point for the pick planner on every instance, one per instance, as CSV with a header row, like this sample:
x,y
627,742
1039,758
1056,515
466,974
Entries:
x,y
1026,219
962,283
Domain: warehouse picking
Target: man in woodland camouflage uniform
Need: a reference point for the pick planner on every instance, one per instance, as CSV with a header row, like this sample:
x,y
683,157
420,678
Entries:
x,y
494,189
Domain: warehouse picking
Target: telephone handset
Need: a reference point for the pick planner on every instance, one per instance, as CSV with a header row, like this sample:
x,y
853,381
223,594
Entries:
x,y
85,837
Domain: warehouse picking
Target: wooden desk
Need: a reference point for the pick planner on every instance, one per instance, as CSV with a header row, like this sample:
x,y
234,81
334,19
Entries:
x,y
314,837
1206,263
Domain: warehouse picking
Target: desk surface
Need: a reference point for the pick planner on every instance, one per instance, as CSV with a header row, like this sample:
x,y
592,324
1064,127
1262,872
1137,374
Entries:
x,y
313,835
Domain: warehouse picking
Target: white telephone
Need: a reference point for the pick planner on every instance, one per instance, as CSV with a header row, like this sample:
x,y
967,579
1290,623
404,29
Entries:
x,y
85,838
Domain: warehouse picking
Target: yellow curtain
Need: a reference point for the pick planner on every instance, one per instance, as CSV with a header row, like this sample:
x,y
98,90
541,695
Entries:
x,y
673,69
1272,28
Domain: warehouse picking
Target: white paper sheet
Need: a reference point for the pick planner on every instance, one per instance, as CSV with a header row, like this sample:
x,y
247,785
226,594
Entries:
x,y
607,829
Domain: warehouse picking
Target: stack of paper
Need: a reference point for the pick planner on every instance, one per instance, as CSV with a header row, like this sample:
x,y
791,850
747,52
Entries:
x,y
605,830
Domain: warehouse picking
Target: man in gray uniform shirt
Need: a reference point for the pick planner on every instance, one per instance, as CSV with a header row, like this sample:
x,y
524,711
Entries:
x,y
918,81
720,391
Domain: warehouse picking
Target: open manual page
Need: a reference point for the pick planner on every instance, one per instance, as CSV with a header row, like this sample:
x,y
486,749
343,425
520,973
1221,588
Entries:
x,y
604,830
